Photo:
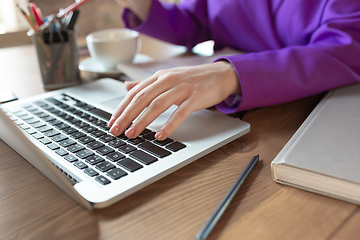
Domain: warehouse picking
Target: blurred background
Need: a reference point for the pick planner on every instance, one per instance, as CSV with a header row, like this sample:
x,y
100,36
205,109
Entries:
x,y
94,15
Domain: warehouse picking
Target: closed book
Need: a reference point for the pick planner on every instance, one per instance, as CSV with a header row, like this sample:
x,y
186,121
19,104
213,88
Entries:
x,y
323,156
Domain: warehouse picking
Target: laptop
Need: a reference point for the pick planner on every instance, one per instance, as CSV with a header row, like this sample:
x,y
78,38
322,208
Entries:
x,y
64,134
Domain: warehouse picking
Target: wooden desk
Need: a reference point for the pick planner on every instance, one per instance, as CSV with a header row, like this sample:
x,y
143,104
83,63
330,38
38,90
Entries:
x,y
177,206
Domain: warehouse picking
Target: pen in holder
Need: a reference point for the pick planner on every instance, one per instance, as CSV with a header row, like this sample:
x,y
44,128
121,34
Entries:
x,y
58,58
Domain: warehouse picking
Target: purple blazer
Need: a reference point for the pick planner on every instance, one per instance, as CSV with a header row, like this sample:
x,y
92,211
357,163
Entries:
x,y
295,48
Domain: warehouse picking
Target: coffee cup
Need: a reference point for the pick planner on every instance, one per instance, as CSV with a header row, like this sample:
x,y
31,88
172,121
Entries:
x,y
113,46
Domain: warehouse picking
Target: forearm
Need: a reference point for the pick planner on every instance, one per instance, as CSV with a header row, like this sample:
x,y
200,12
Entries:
x,y
279,76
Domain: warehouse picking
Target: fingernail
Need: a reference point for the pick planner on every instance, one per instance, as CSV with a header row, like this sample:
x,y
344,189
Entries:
x,y
110,123
130,133
160,135
114,130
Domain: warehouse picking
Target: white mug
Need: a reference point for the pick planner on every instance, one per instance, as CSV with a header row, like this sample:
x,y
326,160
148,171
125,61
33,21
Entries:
x,y
113,46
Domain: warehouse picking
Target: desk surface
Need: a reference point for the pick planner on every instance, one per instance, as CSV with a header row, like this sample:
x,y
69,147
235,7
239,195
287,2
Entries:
x,y
177,206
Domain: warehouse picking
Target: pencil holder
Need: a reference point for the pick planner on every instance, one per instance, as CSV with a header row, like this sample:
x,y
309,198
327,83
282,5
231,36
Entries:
x,y
58,58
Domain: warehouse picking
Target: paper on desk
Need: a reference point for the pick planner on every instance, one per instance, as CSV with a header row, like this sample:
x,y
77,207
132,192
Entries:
x,y
141,71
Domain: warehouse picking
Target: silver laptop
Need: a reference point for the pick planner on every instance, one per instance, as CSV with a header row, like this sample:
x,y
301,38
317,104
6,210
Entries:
x,y
64,134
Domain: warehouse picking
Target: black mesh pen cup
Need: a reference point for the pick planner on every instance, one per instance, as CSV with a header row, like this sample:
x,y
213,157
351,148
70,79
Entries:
x,y
58,58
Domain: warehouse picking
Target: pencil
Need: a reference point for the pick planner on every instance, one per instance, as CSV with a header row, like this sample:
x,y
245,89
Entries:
x,y
70,8
36,31
32,26
210,224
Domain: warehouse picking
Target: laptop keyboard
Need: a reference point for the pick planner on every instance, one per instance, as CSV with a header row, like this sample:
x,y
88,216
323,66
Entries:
x,y
78,133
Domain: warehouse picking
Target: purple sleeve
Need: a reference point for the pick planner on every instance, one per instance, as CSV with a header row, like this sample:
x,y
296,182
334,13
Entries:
x,y
330,59
177,24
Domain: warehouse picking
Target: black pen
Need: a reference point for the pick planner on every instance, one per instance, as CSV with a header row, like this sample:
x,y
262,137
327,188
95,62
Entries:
x,y
210,224
73,18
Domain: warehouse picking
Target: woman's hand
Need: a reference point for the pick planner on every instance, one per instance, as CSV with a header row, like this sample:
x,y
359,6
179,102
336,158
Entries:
x,y
190,88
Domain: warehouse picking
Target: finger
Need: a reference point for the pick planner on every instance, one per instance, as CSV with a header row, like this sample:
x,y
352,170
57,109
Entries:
x,y
129,85
127,99
137,104
159,105
176,119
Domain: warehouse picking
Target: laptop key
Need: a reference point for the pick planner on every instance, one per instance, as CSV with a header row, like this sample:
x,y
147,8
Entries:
x,y
99,122
175,146
129,164
37,135
31,120
137,140
82,124
101,113
94,159
26,117
92,119
104,127
123,137
87,107
24,126
106,138
67,142
97,133
89,129
67,117
91,172
55,122
145,131
45,128
80,165
116,173
149,136
75,148
53,146
70,158
143,157
105,166
31,131
53,101
74,120
40,103
51,133
59,138
69,130
43,115
49,118
104,150
61,152
77,135
164,142
45,141
154,149
86,139
84,153
116,143
60,113
127,148
103,180
80,103
95,144
115,156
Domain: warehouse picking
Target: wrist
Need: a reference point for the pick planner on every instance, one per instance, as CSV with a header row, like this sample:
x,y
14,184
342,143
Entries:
x,y
230,77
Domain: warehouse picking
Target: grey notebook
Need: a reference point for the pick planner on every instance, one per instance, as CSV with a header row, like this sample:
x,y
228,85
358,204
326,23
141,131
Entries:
x,y
323,156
